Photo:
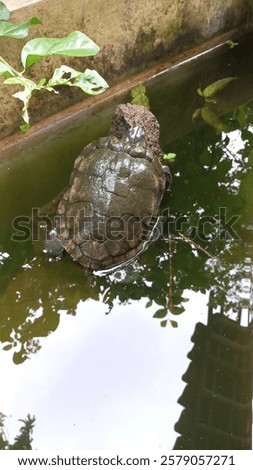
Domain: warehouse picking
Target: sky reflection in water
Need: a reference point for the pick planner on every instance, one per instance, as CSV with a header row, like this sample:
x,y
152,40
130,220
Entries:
x,y
103,381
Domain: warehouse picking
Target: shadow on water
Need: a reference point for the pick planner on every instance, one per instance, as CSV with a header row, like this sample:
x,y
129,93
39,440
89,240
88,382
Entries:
x,y
206,239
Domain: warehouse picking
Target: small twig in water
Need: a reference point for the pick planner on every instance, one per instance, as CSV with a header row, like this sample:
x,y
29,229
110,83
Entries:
x,y
171,276
188,240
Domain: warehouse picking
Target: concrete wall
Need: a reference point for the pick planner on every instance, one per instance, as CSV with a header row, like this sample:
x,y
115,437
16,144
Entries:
x,y
132,36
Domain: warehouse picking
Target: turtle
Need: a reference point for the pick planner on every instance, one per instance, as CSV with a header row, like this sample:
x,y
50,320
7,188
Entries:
x,y
108,213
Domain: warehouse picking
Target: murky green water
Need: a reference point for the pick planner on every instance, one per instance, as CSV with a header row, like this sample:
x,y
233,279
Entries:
x,y
99,362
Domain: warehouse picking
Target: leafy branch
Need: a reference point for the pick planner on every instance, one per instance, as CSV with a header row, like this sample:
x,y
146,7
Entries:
x,y
207,114
75,44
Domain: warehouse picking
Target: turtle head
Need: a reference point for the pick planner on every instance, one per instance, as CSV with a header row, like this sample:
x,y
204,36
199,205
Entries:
x,y
128,116
135,135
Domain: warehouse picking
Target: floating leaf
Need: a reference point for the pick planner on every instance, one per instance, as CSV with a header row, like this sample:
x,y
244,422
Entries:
x,y
240,115
200,92
161,313
4,12
169,156
212,89
196,114
211,119
232,44
16,30
5,70
76,44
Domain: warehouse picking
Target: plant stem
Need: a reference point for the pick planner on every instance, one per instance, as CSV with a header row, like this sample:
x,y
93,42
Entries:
x,y
8,65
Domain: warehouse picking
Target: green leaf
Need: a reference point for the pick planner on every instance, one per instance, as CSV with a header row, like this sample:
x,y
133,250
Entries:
x,y
173,323
24,96
58,76
240,115
4,12
200,92
212,89
232,44
20,80
138,90
16,30
149,303
177,310
211,119
196,114
163,323
42,82
5,70
24,127
76,44
169,156
91,82
139,96
161,313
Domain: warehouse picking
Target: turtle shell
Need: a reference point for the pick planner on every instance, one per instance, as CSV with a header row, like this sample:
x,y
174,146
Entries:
x,y
107,214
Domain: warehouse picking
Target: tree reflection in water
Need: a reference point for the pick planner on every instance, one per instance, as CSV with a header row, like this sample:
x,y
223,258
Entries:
x,y
23,441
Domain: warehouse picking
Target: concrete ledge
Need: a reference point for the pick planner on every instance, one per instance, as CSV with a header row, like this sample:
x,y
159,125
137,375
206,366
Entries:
x,y
99,109
132,35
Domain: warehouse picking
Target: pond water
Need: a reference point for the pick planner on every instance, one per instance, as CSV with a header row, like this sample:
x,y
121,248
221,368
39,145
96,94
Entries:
x,y
99,362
